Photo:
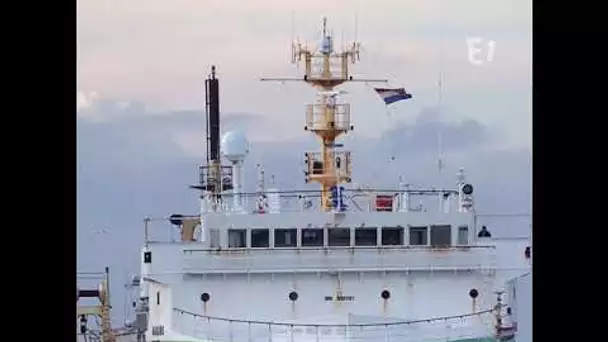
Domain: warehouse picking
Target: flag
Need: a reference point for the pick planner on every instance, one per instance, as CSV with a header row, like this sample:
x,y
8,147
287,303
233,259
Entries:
x,y
393,95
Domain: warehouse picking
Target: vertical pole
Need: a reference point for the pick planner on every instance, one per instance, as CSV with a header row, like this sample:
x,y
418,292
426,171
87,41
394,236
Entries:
x,y
107,284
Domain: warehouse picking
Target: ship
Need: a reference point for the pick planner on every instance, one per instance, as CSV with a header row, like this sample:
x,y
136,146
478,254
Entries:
x,y
335,263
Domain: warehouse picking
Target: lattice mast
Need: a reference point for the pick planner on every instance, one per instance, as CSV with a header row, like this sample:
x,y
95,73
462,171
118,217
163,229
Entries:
x,y
102,310
327,117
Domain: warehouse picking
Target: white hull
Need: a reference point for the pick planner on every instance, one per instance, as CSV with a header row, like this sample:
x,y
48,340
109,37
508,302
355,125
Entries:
x,y
256,307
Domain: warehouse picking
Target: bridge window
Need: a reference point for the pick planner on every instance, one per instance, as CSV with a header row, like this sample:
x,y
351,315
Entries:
x,y
285,237
338,236
392,236
260,238
441,236
418,236
463,235
237,238
312,237
366,237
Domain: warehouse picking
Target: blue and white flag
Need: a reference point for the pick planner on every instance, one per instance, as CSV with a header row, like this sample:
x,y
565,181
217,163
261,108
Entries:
x,y
393,95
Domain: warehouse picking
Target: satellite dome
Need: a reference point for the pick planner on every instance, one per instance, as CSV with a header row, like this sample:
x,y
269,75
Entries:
x,y
234,146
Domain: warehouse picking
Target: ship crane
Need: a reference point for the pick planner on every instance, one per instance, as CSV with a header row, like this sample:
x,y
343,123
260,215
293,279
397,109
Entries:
x,y
101,310
327,117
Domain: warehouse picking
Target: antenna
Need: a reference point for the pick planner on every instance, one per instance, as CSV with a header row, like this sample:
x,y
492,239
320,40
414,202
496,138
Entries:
x,y
293,40
324,26
440,163
356,44
296,46
356,25
293,25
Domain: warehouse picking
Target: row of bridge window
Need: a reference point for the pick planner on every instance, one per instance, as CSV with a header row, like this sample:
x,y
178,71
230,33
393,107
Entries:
x,y
437,236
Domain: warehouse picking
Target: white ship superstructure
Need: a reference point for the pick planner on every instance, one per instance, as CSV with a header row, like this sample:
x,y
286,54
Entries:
x,y
338,263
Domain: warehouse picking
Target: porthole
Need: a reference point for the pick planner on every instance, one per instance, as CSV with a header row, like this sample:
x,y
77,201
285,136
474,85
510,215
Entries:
x,y
293,296
205,297
473,293
385,294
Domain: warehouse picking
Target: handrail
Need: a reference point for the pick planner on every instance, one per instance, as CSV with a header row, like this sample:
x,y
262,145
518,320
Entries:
x,y
339,248
356,190
428,320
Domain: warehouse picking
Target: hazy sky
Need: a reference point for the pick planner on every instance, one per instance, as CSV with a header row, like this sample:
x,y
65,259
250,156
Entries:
x,y
141,69
158,52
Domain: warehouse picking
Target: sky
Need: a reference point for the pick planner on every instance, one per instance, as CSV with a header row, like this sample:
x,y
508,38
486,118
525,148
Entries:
x,y
140,99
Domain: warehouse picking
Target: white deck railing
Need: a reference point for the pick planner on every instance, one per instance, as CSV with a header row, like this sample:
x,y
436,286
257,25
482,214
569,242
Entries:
x,y
344,259
357,328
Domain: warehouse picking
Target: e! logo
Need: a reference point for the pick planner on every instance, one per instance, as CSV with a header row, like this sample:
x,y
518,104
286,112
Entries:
x,y
473,50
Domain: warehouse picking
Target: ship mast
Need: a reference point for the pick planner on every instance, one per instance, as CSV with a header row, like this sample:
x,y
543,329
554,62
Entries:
x,y
214,178
327,118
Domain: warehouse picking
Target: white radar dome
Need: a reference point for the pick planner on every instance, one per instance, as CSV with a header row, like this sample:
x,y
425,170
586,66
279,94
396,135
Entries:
x,y
234,146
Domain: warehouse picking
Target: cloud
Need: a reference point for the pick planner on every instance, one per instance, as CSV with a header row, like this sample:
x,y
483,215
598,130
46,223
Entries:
x,y
422,135
84,100
162,59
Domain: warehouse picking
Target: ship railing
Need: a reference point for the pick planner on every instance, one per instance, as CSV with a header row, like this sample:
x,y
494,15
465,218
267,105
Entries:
x,y
342,167
317,69
356,328
358,200
344,259
316,117
506,226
